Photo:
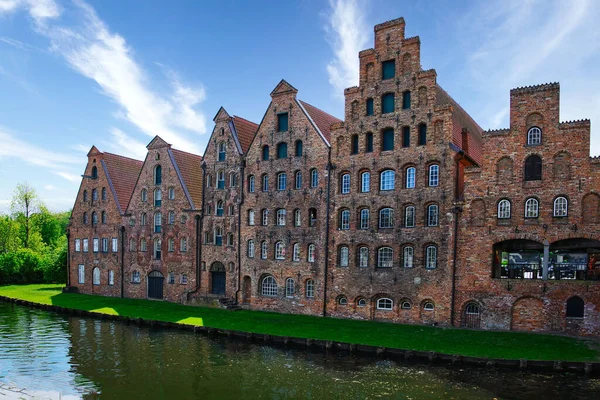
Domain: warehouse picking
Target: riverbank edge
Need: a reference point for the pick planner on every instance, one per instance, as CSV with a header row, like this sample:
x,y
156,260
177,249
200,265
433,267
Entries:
x,y
591,369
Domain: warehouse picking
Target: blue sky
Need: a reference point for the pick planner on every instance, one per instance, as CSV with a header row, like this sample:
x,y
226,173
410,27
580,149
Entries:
x,y
116,73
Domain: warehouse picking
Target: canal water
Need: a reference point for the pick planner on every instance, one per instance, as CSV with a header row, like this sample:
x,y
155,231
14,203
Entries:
x,y
48,353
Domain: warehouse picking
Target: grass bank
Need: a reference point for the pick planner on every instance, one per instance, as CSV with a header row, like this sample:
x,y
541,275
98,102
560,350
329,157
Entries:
x,y
507,345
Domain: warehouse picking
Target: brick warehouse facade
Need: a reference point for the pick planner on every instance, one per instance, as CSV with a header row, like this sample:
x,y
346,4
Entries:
x,y
406,211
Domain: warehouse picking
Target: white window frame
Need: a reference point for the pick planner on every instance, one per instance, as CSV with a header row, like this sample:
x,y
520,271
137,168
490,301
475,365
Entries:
x,y
411,172
251,217
280,250
251,182
81,274
310,288
171,217
432,215
290,287
408,256
265,217
385,304
310,256
345,183
144,195
434,175
387,180
77,245
115,245
314,178
111,277
344,255
265,183
297,218
281,217
183,245
171,244
385,257
504,209
409,217
389,218
268,286
96,245
344,220
143,244
136,277
298,179
431,257
365,182
363,257
85,245
264,250
561,207
105,245
534,136
532,207
171,193
250,248
281,181
296,252
96,276
365,218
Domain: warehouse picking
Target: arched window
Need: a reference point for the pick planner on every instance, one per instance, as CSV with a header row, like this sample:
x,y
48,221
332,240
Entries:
x,y
143,245
532,207
369,142
312,217
405,305
387,103
171,193
365,182
94,172
85,195
183,244
269,286
280,251
345,183
387,180
406,100
385,304
385,257
85,218
94,195
157,249
342,300
103,194
265,183
263,249
298,180
361,302
251,217
422,134
230,210
410,177
296,252
281,214
281,181
533,168
431,257
222,151
298,148
143,219
354,144
310,288
250,248
219,236
219,208
363,257
364,218
103,217
310,256
314,178
409,217
369,107
434,175
290,287
171,217
157,175
171,244
157,222
251,183
432,215
428,306
408,256
157,197
344,219
232,179
281,150
534,136
386,218
265,153
96,274
575,307
504,209
387,139
297,217
561,207
208,180
265,217
343,256
94,218
221,180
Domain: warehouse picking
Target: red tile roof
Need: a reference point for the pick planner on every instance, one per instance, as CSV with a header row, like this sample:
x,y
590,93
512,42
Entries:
x,y
123,173
191,172
245,131
321,119
461,119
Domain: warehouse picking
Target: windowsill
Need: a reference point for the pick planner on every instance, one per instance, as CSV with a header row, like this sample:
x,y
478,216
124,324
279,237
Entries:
x,y
504,222
532,145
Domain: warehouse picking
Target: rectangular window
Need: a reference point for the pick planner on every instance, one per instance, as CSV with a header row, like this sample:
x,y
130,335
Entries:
x,y
96,245
369,143
387,103
183,244
422,134
105,245
387,142
406,136
406,100
77,245
115,245
171,193
111,277
282,122
171,245
388,69
354,149
81,273
85,245
369,106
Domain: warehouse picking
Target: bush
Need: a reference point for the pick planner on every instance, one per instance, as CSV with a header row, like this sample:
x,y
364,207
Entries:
x,y
22,266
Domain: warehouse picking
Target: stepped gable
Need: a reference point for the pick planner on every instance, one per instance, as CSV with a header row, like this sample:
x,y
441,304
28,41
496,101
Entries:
x,y
245,131
461,119
188,165
122,173
535,88
322,119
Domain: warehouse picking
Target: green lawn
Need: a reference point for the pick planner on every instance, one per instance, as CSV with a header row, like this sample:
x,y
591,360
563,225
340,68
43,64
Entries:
x,y
508,345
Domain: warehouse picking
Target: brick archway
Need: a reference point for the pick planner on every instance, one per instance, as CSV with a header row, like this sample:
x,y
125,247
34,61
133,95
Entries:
x,y
528,315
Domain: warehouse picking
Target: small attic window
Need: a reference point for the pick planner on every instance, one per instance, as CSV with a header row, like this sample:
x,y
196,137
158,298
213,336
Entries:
x,y
157,156
388,69
94,172
282,122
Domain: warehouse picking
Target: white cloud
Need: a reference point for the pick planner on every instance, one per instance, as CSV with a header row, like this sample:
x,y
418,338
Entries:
x,y
68,176
38,9
347,33
81,148
49,187
125,145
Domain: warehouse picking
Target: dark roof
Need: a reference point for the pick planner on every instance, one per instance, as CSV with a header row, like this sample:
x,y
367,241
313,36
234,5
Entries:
x,y
322,119
461,119
245,131
123,172
189,167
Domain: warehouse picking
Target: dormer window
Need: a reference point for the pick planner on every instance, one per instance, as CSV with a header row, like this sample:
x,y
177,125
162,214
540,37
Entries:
x,y
388,69
534,136
282,122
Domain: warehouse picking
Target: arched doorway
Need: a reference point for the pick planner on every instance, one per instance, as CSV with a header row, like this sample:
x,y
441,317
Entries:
x,y
471,316
218,278
247,290
155,285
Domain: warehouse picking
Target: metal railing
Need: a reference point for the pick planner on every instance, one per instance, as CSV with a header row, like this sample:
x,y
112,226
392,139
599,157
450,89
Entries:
x,y
556,271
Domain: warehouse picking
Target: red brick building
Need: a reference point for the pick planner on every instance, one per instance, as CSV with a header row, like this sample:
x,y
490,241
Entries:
x,y
406,211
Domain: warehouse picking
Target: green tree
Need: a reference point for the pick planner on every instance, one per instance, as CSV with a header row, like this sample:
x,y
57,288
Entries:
x,y
9,238
24,204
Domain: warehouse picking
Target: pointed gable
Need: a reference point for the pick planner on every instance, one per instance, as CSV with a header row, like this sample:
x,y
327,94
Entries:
x,y
122,173
283,87
321,119
222,115
157,143
190,174
245,131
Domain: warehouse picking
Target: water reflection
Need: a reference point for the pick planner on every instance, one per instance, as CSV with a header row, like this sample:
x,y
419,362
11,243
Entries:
x,y
93,358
